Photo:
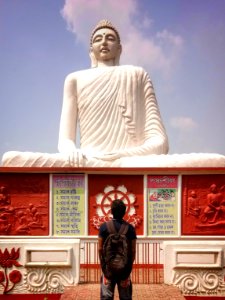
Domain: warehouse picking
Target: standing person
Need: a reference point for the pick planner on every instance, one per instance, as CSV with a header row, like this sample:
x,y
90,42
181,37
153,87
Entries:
x,y
122,279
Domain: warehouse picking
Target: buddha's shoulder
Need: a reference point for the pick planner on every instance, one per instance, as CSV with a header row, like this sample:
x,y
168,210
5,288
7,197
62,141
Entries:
x,y
75,75
84,74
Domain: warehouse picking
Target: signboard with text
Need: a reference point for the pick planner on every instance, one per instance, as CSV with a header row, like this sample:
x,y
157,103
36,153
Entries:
x,y
162,205
68,205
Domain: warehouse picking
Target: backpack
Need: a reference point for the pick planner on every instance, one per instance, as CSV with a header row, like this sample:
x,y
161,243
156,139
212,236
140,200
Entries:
x,y
115,251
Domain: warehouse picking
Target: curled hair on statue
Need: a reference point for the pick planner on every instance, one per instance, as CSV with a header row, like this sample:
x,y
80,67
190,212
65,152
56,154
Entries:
x,y
118,209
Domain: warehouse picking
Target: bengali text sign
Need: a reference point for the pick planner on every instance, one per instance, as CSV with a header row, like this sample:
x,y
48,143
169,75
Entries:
x,y
68,205
162,205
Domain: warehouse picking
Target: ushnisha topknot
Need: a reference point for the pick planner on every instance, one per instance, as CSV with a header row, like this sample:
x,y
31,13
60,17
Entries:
x,y
104,24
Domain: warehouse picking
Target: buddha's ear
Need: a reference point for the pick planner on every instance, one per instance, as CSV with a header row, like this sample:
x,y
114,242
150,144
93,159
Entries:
x,y
117,58
94,62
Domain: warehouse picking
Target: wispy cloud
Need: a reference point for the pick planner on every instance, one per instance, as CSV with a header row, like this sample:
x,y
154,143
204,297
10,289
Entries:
x,y
159,52
183,123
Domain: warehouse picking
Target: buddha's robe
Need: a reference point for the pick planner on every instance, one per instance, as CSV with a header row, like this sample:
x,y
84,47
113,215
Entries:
x,y
118,111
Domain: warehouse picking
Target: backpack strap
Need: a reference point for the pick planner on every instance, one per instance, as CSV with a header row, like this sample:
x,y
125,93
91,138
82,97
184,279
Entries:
x,y
123,229
110,227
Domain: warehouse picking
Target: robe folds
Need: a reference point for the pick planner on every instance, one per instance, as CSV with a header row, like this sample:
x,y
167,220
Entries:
x,y
118,110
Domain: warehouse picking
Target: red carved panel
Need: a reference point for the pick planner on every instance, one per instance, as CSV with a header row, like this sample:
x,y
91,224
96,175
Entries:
x,y
203,204
103,189
24,204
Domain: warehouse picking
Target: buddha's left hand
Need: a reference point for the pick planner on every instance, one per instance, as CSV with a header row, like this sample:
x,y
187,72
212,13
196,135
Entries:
x,y
110,156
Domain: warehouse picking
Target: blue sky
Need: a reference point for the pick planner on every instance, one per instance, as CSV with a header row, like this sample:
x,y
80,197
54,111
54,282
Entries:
x,y
181,43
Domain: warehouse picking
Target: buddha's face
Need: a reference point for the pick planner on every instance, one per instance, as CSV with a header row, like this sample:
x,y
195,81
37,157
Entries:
x,y
105,45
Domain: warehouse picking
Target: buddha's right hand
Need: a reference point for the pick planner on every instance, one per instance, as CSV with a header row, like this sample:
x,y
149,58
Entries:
x,y
76,158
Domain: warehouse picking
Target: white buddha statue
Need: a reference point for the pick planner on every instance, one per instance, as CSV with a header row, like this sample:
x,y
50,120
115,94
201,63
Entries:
x,y
118,115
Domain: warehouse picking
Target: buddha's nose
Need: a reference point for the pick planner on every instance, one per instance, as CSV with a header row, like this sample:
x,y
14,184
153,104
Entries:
x,y
104,41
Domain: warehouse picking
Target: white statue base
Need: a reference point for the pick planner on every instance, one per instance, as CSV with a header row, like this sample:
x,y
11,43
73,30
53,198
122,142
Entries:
x,y
36,159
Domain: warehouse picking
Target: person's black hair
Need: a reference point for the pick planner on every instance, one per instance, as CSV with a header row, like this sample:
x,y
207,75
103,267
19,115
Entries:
x,y
118,209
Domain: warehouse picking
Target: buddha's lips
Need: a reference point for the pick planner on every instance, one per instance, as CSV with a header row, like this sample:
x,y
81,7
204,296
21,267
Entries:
x,y
104,49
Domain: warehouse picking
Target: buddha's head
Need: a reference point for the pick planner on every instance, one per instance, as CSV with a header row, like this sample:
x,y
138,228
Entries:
x,y
105,45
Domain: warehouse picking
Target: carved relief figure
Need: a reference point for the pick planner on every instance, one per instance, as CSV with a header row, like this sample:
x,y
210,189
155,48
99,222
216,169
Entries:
x,y
193,204
119,118
214,209
35,217
6,211
28,219
4,196
23,227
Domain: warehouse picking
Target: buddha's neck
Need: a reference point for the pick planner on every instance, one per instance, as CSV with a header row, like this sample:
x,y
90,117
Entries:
x,y
106,63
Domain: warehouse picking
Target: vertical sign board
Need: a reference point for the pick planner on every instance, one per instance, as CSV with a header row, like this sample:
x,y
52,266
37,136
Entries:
x,y
68,205
162,205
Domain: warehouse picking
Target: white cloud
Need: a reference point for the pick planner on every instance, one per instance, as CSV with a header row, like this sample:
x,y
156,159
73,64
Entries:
x,y
183,123
157,52
166,36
